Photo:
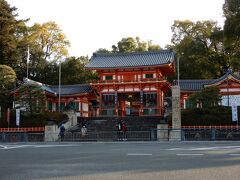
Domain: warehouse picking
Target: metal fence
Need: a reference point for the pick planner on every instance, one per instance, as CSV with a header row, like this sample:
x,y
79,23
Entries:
x,y
187,134
110,136
211,134
201,134
21,137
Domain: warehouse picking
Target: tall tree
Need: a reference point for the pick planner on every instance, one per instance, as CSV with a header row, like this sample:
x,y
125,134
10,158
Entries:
x,y
231,9
76,74
31,97
127,45
7,77
47,45
130,44
201,49
8,25
7,80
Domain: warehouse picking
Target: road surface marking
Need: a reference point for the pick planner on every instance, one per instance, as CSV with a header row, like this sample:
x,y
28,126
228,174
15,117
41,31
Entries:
x,y
35,146
189,154
3,147
138,154
57,145
15,147
206,148
234,154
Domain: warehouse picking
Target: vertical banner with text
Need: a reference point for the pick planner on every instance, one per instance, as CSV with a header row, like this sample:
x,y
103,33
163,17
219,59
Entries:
x,y
17,117
8,116
234,113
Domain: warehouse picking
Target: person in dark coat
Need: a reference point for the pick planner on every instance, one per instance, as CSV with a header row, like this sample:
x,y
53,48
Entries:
x,y
124,130
119,129
62,132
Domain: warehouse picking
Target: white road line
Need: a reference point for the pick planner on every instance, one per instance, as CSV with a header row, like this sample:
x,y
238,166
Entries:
x,y
189,154
15,147
234,154
59,145
1,146
138,154
34,146
206,148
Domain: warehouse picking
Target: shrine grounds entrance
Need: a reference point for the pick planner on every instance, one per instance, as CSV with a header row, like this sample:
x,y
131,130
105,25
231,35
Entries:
x,y
130,104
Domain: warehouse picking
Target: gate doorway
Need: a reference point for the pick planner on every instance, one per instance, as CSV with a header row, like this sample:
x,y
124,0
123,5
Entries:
x,y
129,104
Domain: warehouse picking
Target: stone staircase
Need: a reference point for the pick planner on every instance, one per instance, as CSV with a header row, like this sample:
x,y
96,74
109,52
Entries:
x,y
134,123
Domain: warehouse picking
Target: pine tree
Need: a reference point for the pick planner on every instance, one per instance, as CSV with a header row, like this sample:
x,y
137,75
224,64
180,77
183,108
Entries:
x,y
7,29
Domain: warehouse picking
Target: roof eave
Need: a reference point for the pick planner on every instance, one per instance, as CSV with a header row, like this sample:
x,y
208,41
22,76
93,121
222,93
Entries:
x,y
127,67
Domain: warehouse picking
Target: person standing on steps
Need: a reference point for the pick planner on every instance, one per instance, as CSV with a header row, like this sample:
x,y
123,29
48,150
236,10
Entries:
x,y
119,129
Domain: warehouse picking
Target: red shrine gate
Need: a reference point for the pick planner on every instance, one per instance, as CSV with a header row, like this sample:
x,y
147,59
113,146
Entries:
x,y
132,84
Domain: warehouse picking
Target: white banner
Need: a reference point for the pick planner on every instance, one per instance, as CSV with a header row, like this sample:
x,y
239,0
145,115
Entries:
x,y
234,113
17,117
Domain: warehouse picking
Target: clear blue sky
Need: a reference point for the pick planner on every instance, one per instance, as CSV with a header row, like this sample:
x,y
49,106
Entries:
x,y
93,24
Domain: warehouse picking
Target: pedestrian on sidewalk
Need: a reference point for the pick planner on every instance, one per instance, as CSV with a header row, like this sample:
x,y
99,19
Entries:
x,y
124,130
62,132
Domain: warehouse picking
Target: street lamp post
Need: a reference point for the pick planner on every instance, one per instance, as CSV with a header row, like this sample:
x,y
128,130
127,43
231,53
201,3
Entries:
x,y
178,69
59,87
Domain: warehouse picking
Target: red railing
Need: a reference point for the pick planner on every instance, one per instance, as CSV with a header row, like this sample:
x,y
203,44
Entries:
x,y
28,129
127,80
210,127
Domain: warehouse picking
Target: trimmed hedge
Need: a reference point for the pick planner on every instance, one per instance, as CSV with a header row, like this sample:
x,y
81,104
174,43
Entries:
x,y
32,120
213,116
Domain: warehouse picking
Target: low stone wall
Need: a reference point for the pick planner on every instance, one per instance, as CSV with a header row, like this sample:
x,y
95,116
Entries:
x,y
162,132
51,133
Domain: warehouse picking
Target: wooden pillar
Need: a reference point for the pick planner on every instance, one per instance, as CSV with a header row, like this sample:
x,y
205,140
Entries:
x,y
159,98
46,104
141,103
100,108
116,103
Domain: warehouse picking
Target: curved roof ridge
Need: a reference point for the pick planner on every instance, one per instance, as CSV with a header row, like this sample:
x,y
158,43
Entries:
x,y
129,60
70,85
223,77
130,53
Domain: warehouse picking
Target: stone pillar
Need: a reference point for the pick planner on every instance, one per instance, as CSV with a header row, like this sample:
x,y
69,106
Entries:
x,y
175,133
162,132
51,133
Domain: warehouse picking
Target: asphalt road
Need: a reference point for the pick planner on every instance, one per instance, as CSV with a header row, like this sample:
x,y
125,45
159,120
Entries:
x,y
121,160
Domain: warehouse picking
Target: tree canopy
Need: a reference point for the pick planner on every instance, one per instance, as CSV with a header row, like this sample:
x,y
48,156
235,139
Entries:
x,y
130,44
208,97
8,41
202,49
7,80
7,77
76,74
32,98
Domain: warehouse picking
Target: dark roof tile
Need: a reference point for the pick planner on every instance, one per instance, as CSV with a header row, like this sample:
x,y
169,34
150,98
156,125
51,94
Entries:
x,y
123,60
65,89
72,89
192,85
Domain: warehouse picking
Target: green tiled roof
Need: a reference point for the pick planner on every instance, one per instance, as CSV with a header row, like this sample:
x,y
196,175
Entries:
x,y
65,89
127,60
72,89
192,85
197,85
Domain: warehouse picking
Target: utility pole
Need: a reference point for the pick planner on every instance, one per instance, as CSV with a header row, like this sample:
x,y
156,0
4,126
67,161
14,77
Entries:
x,y
59,88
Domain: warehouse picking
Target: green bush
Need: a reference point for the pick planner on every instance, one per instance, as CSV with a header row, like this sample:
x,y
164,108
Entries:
x,y
32,120
213,116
